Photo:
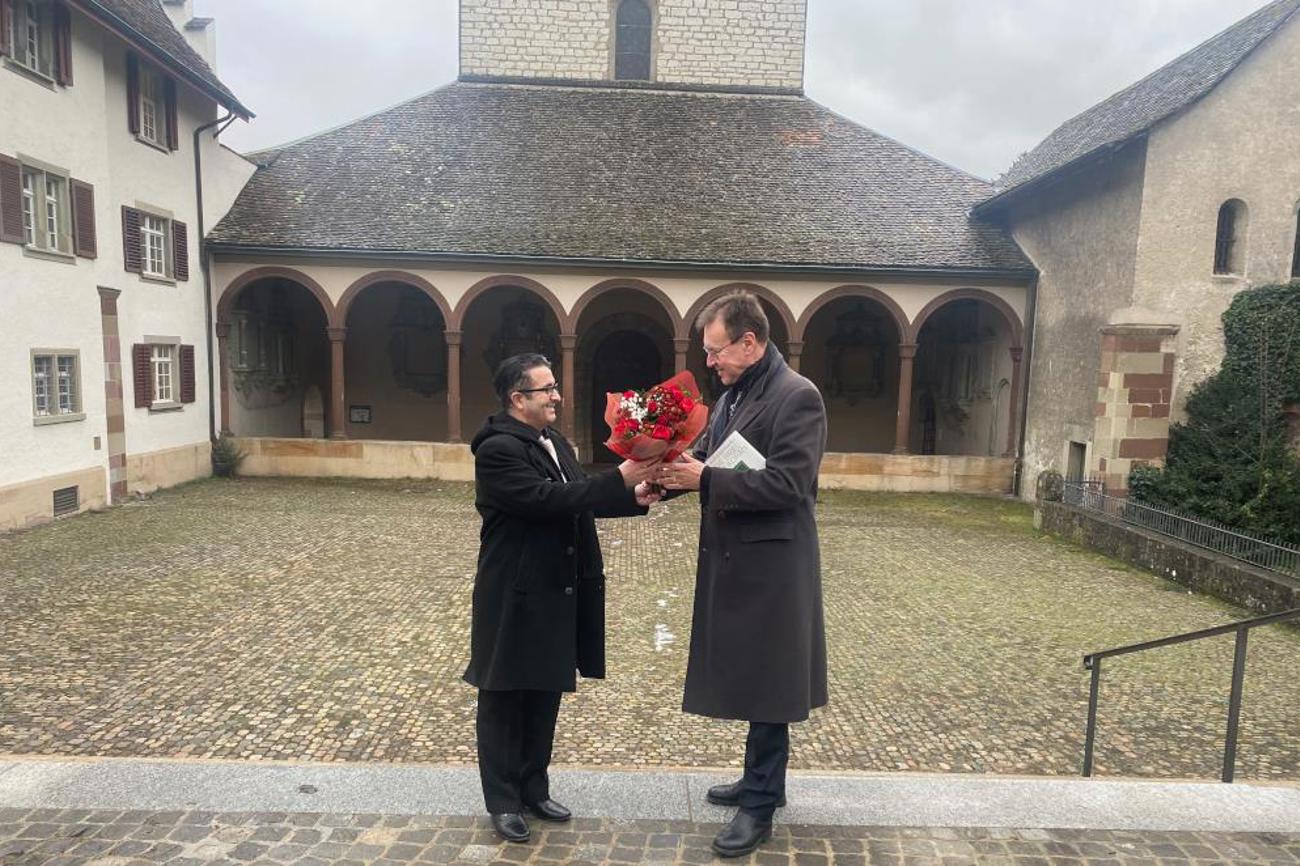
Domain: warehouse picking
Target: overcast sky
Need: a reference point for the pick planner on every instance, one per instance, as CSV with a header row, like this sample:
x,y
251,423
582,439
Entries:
x,y
971,82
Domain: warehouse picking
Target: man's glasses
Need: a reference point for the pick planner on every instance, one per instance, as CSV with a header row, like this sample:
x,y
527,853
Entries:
x,y
552,388
713,353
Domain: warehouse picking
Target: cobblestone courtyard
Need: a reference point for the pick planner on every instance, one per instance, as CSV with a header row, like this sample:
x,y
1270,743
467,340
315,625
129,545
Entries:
x,y
328,621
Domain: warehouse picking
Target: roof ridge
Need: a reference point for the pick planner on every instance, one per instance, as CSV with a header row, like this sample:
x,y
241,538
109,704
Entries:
x,y
276,149
1117,97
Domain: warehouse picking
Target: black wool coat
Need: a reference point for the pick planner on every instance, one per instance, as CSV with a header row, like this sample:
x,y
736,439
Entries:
x,y
758,641
539,592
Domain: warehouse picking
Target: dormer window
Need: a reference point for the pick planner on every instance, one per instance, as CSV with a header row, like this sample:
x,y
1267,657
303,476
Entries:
x,y
1230,239
151,104
36,35
633,31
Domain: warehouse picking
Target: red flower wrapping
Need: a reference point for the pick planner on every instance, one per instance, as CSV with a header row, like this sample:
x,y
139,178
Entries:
x,y
661,421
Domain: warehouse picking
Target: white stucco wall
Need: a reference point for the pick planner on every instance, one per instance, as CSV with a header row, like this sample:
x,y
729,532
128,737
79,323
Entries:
x,y
54,304
1237,142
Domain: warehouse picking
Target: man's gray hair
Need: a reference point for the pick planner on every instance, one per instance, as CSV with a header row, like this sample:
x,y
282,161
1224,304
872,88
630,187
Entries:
x,y
740,311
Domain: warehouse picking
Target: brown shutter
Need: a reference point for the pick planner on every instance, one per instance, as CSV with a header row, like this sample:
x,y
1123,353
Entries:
x,y
173,138
180,251
11,201
131,240
62,45
187,374
83,220
6,26
141,355
133,94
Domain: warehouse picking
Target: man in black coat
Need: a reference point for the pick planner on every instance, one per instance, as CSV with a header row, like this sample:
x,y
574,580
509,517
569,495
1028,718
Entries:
x,y
539,592
758,644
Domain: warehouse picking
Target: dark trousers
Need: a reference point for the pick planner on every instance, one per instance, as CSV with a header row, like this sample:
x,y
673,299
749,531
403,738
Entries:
x,y
515,731
767,752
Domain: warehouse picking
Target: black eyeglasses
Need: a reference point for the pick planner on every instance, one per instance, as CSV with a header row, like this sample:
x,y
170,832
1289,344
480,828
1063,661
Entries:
x,y
713,353
552,388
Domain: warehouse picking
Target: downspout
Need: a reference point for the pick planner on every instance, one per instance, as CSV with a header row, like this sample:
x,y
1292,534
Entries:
x,y
1026,361
203,266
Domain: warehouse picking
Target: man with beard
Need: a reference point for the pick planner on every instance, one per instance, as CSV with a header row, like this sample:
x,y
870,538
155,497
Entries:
x,y
539,592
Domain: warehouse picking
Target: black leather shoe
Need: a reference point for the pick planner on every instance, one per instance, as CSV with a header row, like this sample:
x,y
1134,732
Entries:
x,y
549,810
729,795
741,836
511,826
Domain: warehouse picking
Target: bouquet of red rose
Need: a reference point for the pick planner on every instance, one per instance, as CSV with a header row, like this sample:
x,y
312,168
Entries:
x,y
661,421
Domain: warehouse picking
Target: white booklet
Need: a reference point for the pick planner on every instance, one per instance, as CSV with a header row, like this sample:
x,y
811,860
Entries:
x,y
735,452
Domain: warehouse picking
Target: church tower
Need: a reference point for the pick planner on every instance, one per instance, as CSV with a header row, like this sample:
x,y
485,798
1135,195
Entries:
x,y
727,44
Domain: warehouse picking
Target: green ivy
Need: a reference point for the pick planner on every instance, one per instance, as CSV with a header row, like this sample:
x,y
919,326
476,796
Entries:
x,y
1232,460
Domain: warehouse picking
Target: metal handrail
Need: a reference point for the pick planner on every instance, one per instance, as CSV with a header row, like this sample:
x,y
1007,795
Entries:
x,y
1092,662
1233,542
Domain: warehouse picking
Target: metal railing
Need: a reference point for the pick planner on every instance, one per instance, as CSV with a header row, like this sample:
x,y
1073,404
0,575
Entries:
x,y
1207,534
1092,662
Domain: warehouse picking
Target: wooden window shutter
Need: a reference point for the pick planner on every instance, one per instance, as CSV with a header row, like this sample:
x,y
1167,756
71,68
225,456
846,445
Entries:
x,y
173,137
180,251
131,252
141,362
187,374
83,219
11,201
62,45
6,26
133,93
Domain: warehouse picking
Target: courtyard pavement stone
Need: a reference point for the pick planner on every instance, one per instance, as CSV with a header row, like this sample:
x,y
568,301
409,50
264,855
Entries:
x,y
327,620
53,837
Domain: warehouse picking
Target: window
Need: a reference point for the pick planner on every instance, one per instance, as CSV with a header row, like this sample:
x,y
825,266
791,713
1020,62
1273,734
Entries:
x,y
1230,239
1295,253
56,388
155,245
31,40
47,223
633,30
152,108
164,374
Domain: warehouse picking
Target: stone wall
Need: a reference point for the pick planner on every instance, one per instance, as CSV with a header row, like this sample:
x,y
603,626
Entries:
x,y
715,42
1199,570
1134,394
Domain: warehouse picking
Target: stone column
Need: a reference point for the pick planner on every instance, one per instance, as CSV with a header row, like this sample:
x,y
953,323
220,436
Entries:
x,y
680,347
1134,395
453,384
113,405
906,355
338,337
795,348
568,343
223,372
1013,425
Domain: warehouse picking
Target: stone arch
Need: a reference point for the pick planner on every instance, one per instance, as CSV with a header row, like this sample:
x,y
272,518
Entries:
x,y
852,291
488,283
669,308
687,323
226,303
1003,308
340,319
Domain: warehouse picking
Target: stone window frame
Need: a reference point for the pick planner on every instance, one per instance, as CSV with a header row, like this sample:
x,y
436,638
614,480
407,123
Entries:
x,y
173,347
654,41
153,96
1231,238
35,207
168,273
54,413
43,66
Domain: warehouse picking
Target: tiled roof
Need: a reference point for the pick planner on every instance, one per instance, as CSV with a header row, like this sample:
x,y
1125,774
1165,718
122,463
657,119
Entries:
x,y
622,175
148,21
1136,109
